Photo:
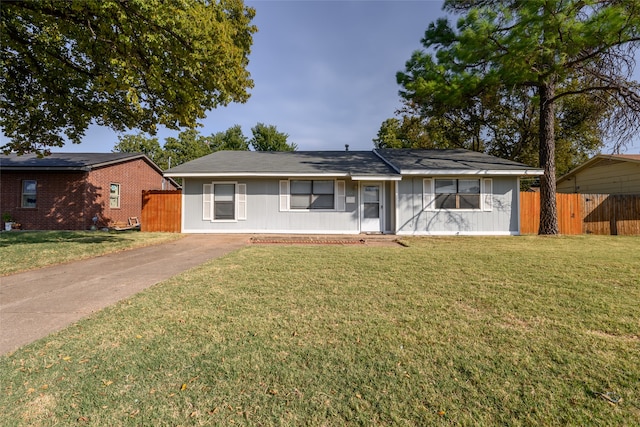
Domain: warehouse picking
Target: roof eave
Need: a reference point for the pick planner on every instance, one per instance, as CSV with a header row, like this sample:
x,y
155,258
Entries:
x,y
250,174
119,160
376,177
593,160
493,172
46,168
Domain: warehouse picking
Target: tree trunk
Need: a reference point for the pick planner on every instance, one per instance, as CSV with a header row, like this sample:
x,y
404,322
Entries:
x,y
548,206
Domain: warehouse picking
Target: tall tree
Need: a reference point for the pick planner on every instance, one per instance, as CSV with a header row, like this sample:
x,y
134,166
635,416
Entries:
x,y
189,145
551,49
141,144
268,138
231,139
118,63
505,125
410,132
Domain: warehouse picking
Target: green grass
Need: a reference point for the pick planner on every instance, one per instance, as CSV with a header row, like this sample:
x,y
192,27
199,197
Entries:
x,y
26,250
447,331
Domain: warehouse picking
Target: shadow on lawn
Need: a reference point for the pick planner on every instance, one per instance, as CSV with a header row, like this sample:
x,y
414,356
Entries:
x,y
38,237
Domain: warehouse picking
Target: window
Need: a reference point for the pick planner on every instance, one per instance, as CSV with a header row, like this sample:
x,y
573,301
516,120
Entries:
x,y
114,196
29,189
224,201
451,193
457,193
312,194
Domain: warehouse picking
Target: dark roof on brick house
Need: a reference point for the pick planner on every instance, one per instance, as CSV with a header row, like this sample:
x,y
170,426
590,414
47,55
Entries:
x,y
68,161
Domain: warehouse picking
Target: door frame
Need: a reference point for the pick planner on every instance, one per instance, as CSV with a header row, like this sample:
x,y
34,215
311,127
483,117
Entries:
x,y
381,200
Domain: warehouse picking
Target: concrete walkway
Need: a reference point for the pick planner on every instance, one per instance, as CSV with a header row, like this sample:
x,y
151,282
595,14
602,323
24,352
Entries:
x,y
36,303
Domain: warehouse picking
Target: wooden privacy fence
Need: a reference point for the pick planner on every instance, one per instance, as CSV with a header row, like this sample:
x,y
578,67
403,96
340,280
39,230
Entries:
x,y
585,213
161,211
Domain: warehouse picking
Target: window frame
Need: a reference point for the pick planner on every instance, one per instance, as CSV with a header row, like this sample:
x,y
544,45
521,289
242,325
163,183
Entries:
x,y
239,201
312,194
458,195
119,186
233,202
339,195
485,195
24,194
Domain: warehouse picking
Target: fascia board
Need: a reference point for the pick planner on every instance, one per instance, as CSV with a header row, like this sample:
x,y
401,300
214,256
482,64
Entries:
x,y
452,172
250,175
46,169
376,178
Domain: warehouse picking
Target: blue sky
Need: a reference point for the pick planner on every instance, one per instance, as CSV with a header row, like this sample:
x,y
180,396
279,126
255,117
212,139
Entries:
x,y
324,72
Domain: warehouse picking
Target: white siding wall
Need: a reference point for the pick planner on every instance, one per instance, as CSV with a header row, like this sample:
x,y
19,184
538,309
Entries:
x,y
263,212
502,219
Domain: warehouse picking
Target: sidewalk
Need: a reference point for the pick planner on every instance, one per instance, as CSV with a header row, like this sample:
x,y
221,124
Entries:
x,y
36,303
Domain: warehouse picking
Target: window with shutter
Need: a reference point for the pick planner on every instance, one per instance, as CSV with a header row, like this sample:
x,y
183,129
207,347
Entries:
x,y
341,194
488,194
207,197
427,194
242,201
284,195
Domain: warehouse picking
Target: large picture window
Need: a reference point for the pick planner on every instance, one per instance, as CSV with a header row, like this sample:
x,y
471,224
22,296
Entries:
x,y
29,190
310,194
457,194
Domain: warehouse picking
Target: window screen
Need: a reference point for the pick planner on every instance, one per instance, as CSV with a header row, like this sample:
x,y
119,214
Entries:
x,y
224,201
29,190
457,193
311,194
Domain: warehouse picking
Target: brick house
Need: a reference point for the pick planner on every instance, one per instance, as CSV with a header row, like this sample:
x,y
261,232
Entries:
x,y
64,191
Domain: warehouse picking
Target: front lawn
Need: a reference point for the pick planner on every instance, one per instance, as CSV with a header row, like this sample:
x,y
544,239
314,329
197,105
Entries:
x,y
447,331
26,250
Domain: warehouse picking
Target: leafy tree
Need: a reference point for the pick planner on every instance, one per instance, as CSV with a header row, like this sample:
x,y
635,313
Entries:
x,y
141,144
231,139
505,125
408,133
118,63
189,145
541,50
267,138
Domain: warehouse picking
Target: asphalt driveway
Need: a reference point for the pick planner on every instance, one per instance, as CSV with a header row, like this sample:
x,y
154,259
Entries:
x,y
36,303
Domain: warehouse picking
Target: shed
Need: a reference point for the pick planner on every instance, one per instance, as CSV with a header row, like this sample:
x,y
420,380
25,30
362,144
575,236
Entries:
x,y
604,174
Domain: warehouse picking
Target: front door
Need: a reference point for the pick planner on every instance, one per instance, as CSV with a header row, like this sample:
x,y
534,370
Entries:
x,y
371,208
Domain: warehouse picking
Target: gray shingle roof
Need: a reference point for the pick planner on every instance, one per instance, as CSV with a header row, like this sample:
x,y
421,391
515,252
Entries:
x,y
408,161
335,163
65,161
390,163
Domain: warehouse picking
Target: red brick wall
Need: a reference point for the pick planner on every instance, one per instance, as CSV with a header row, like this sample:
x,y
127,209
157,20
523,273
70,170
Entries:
x,y
68,201
59,200
133,177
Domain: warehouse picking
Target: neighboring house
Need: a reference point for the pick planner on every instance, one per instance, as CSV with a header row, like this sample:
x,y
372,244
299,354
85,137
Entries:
x,y
65,191
604,174
351,192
